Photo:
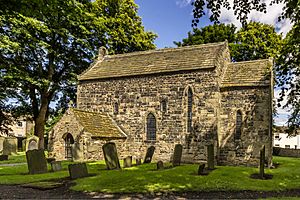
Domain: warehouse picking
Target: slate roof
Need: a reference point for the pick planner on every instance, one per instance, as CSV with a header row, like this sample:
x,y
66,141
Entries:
x,y
155,61
98,124
248,73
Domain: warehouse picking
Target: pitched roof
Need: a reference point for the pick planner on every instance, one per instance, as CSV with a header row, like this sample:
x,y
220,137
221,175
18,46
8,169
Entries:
x,y
155,61
248,73
98,124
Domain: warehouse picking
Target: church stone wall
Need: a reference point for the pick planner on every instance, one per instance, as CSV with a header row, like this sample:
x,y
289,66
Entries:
x,y
139,96
255,106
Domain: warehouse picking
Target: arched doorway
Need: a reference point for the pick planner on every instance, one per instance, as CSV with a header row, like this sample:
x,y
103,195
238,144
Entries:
x,y
69,140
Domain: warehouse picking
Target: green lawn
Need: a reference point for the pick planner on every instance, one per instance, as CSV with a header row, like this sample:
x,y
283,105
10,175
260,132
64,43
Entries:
x,y
145,178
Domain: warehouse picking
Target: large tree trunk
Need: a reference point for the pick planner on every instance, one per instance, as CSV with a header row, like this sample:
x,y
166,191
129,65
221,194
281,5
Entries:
x,y
40,121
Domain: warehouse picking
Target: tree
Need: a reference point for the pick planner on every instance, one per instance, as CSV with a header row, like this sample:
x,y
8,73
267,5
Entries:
x,y
209,34
45,44
287,66
254,41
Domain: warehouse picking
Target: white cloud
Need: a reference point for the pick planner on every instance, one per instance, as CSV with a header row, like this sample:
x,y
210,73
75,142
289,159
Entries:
x,y
271,17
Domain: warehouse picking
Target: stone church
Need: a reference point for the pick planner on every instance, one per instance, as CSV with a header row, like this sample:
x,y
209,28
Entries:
x,y
194,96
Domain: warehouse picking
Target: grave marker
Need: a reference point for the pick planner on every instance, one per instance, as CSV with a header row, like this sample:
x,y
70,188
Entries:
x,y
201,169
3,157
149,154
177,155
210,157
127,162
262,162
36,161
160,165
78,170
111,155
138,161
10,145
56,166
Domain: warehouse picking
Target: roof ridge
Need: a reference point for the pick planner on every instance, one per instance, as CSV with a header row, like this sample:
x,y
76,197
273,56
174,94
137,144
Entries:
x,y
251,61
166,50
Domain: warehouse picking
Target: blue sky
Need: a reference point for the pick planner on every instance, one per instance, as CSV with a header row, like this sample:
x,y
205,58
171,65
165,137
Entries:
x,y
171,20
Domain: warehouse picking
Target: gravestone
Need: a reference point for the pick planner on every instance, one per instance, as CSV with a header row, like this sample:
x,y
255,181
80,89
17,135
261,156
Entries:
x,y
262,163
56,166
160,165
1,143
78,170
149,154
210,157
111,155
201,169
36,161
138,161
127,162
31,143
3,157
177,155
10,145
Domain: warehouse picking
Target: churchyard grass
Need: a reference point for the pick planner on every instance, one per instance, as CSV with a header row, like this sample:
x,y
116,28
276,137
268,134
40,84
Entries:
x,y
15,158
145,178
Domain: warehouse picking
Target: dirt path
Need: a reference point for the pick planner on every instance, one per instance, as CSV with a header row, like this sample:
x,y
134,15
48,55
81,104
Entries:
x,y
21,192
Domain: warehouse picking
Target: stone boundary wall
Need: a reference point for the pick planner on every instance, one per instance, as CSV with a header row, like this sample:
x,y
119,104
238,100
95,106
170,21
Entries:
x,y
277,151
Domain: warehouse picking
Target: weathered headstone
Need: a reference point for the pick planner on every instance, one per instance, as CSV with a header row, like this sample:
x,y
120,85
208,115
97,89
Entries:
x,y
36,161
78,170
177,155
1,143
160,165
10,145
262,163
201,169
210,157
127,162
111,155
50,160
31,143
138,161
149,154
3,157
56,166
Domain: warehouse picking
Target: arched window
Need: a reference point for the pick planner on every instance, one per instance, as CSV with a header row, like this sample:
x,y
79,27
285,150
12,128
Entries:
x,y
163,105
151,127
69,140
116,108
189,110
238,125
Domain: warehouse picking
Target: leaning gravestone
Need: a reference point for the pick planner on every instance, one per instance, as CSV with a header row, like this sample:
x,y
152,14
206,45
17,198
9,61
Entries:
x,y
262,163
10,145
127,162
210,157
78,170
111,155
149,154
36,161
177,155
56,166
160,165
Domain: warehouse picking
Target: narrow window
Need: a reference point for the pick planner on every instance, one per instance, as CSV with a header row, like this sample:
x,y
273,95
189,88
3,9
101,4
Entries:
x,y
151,127
190,110
163,105
238,128
116,108
69,140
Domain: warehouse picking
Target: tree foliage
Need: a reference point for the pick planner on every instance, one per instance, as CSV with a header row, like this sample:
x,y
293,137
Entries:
x,y
288,63
45,44
254,41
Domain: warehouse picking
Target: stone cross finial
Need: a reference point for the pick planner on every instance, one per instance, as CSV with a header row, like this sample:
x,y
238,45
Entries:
x,y
102,53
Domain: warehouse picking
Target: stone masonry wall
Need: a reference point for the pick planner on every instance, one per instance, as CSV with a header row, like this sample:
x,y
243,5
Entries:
x,y
139,96
254,103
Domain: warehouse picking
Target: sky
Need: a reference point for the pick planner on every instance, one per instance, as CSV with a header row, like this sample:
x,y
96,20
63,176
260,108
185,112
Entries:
x,y
171,21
